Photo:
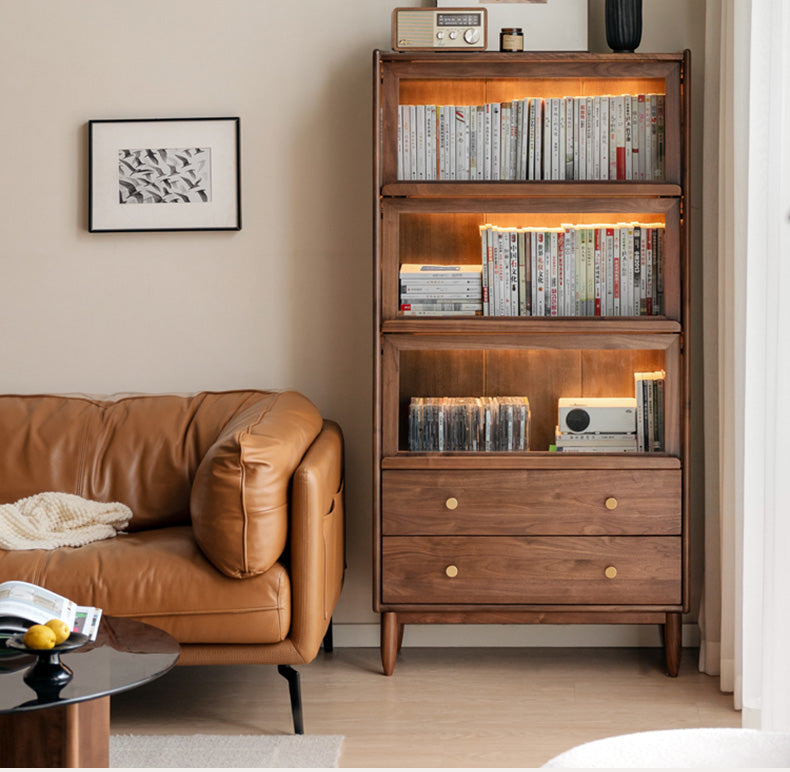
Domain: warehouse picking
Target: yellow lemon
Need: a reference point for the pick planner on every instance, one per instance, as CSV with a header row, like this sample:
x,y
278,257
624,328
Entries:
x,y
39,637
60,628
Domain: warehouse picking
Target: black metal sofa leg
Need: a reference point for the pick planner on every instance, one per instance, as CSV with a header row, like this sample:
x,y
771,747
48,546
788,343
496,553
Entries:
x,y
328,642
292,676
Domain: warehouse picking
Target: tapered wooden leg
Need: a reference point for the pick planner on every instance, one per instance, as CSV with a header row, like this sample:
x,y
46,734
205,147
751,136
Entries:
x,y
673,643
389,641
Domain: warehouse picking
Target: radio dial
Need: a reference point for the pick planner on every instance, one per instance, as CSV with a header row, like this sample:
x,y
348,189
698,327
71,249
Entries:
x,y
471,36
453,35
440,35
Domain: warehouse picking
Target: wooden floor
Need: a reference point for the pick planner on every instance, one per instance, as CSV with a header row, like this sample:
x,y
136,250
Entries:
x,y
503,707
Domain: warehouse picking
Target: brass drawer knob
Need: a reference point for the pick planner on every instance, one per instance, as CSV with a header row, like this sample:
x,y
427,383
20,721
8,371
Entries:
x,y
451,571
610,572
610,503
451,503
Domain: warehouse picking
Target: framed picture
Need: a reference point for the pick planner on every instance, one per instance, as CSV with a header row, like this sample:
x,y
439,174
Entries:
x,y
164,174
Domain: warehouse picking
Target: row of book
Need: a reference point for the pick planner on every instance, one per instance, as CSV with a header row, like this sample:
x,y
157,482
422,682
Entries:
x,y
482,424
614,269
440,290
649,390
560,138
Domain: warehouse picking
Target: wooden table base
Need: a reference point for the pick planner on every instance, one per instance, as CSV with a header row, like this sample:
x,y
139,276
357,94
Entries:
x,y
75,735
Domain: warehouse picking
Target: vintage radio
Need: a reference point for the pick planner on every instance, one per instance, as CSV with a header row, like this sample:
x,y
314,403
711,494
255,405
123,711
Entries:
x,y
598,415
439,29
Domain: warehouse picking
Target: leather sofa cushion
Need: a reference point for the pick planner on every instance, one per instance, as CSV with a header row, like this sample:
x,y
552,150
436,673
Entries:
x,y
220,460
241,490
162,578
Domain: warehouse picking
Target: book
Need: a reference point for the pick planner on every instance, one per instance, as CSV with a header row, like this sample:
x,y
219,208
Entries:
x,y
496,140
420,141
595,142
628,134
431,145
538,147
604,138
619,133
440,307
658,173
547,171
569,138
23,604
649,392
414,270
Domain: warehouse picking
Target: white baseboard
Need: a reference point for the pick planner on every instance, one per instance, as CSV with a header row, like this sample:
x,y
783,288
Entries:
x,y
445,636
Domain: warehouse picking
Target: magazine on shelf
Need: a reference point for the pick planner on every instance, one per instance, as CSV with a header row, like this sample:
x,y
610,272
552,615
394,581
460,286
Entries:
x,y
23,604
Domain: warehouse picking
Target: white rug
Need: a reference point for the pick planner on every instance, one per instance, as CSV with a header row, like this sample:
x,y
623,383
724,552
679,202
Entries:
x,y
683,748
208,750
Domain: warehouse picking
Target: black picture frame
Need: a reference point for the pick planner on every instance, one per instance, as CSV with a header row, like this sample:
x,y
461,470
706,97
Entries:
x,y
164,174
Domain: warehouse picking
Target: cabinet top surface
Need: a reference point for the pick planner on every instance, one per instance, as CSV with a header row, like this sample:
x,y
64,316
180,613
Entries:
x,y
467,57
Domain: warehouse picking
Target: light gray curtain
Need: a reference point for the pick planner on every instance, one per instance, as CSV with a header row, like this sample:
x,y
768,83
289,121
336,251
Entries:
x,y
744,621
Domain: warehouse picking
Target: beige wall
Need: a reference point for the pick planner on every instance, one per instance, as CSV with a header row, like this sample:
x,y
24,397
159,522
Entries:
x,y
286,302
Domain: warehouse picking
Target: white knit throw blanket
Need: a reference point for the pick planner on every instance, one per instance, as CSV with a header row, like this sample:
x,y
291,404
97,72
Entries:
x,y
50,520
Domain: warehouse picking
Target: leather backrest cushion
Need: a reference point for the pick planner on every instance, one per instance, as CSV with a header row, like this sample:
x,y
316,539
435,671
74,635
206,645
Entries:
x,y
141,451
241,492
238,447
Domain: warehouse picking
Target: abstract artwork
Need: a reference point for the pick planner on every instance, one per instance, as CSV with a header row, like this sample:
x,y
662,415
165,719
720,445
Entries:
x,y
192,164
164,175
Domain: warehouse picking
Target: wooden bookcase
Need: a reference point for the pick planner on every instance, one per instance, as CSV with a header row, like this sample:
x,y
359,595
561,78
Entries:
x,y
535,536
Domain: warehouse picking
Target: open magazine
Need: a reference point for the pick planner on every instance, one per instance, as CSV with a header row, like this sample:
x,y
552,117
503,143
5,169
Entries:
x,y
23,604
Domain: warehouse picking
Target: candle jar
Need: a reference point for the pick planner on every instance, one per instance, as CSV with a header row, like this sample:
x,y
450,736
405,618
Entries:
x,y
511,39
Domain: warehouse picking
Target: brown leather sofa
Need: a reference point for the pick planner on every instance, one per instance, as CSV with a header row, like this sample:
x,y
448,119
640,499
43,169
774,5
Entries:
x,y
236,544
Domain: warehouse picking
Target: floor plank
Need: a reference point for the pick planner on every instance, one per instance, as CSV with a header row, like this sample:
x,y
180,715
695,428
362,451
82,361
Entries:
x,y
457,707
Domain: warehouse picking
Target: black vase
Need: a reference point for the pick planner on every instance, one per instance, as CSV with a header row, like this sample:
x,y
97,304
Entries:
x,y
623,25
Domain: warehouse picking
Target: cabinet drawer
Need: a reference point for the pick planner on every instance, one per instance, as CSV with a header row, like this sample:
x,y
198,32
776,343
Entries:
x,y
513,570
539,502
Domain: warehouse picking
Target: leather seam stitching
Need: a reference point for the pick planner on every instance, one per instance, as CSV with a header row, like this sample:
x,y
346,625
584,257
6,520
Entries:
x,y
201,612
243,480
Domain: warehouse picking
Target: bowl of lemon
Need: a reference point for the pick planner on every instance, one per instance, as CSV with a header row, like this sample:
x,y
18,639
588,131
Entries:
x,y
47,642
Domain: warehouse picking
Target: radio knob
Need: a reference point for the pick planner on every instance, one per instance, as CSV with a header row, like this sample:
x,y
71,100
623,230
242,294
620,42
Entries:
x,y
472,36
440,35
453,35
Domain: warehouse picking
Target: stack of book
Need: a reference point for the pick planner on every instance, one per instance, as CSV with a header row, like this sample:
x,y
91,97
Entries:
x,y
561,138
483,424
649,389
441,290
606,269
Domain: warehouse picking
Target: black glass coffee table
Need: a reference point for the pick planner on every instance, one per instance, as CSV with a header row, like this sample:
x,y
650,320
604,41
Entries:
x,y
69,726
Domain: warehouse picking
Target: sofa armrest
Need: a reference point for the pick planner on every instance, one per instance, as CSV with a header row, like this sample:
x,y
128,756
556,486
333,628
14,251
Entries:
x,y
317,540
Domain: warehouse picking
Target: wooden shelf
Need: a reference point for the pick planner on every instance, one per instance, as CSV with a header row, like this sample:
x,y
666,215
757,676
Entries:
x,y
482,325
530,460
476,60
534,189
